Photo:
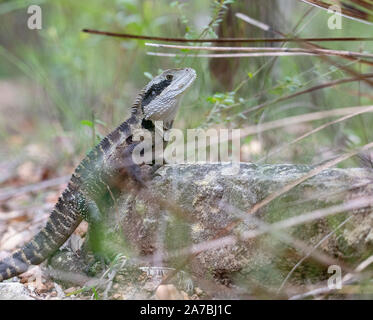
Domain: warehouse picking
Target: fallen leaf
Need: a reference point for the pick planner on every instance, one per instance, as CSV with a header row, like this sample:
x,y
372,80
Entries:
x,y
117,296
70,290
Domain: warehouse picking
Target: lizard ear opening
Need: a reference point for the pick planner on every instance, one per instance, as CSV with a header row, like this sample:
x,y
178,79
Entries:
x,y
147,124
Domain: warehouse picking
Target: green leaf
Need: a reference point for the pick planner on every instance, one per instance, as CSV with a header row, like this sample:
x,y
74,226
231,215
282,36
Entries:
x,y
95,293
148,75
87,123
98,121
174,4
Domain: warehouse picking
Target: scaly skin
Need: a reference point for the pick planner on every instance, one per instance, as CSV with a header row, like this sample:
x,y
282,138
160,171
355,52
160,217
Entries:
x,y
109,162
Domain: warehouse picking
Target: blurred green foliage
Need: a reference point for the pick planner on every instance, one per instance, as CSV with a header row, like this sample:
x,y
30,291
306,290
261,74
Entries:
x,y
88,82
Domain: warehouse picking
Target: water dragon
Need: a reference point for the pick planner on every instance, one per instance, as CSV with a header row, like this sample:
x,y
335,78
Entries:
x,y
110,161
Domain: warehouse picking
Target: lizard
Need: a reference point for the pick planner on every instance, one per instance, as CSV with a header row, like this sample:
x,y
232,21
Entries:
x,y
107,162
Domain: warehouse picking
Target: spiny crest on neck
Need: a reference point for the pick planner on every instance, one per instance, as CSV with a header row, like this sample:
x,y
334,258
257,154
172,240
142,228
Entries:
x,y
136,107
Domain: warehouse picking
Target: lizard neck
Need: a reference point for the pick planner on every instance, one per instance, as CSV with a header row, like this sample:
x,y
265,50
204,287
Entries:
x,y
137,110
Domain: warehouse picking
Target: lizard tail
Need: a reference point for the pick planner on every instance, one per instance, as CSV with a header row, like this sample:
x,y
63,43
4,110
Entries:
x,y
60,225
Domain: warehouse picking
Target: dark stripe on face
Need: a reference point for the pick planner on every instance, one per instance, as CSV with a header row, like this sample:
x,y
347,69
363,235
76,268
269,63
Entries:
x,y
154,91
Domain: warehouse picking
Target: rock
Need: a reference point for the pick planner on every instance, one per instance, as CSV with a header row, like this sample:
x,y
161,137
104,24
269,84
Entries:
x,y
198,291
14,291
212,201
198,203
68,268
170,292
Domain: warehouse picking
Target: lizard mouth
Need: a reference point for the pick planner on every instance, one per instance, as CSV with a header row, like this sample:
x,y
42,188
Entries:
x,y
186,80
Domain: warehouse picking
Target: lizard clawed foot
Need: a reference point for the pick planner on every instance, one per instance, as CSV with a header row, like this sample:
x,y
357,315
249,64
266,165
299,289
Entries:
x,y
99,263
154,169
144,175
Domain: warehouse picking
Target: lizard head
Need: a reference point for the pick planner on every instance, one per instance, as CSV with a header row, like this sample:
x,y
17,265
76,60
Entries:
x,y
162,94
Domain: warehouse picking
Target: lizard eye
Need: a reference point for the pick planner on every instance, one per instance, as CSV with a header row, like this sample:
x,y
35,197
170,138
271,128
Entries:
x,y
169,77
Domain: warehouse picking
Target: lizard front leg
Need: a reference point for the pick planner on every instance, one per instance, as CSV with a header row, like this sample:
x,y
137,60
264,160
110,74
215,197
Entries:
x,y
96,235
124,166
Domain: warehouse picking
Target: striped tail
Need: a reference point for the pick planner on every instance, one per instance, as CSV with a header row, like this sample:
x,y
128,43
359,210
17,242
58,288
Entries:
x,y
60,225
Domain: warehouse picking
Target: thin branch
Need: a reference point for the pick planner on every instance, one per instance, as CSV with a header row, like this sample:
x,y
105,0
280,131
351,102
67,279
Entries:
x,y
307,44
307,134
305,177
314,88
348,12
254,22
232,55
311,251
264,49
238,40
313,116
7,192
266,27
288,239
354,204
348,278
285,122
